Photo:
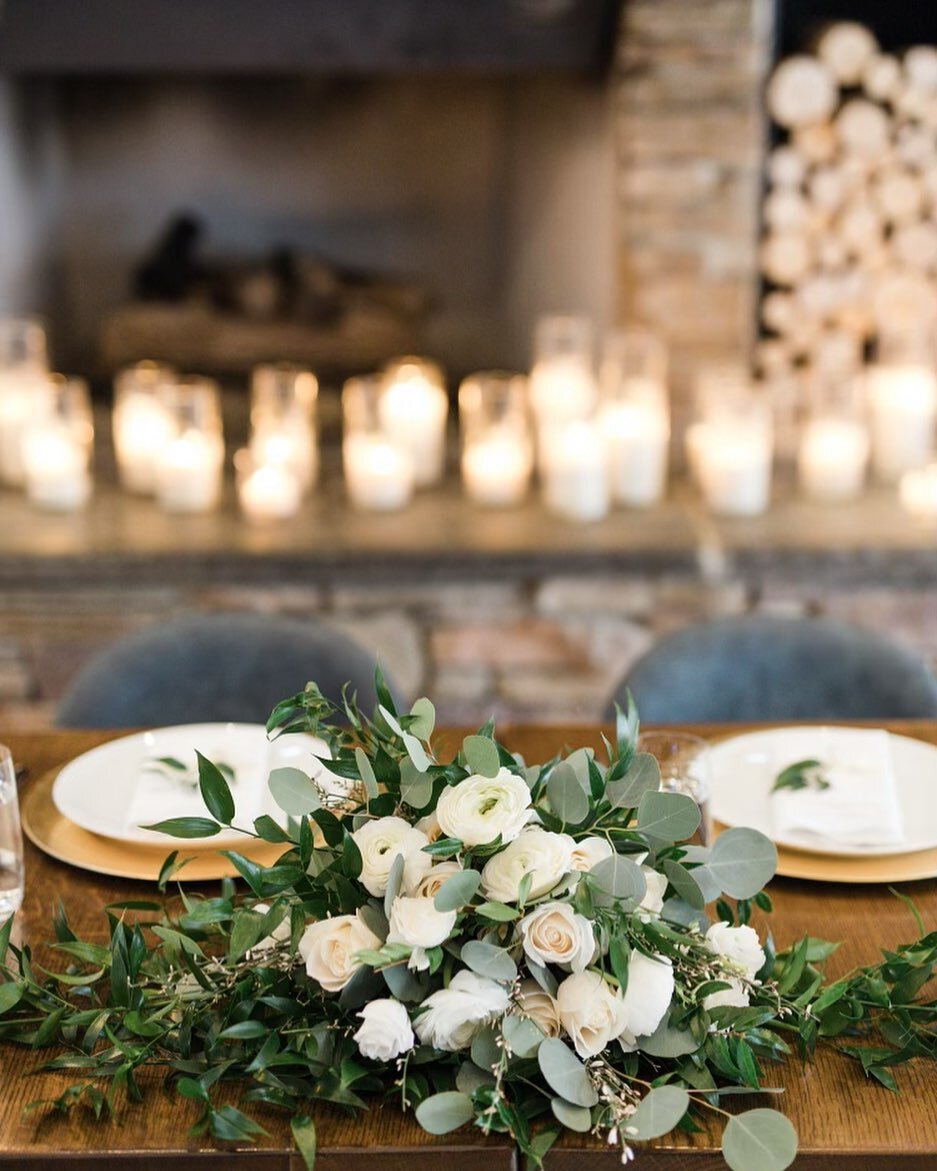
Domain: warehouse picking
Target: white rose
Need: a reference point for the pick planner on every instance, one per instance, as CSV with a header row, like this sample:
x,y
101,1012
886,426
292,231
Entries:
x,y
545,856
329,948
455,1014
735,996
379,843
429,884
589,851
478,809
386,1031
540,1006
556,934
739,945
647,997
591,1013
653,900
416,923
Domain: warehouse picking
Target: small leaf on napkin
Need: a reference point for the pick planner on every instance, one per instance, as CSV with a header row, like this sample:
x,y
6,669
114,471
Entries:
x,y
803,774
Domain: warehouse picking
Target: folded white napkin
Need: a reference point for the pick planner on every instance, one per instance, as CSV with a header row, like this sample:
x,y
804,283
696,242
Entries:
x,y
859,808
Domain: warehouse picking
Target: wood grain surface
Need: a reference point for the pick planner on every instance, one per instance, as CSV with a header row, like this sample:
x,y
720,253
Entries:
x,y
843,1121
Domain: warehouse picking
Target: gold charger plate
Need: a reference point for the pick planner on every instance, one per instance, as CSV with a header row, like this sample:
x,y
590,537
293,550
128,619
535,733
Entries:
x,y
55,835
848,868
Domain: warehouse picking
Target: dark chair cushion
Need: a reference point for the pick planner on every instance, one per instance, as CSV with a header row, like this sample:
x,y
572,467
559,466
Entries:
x,y
213,667
761,667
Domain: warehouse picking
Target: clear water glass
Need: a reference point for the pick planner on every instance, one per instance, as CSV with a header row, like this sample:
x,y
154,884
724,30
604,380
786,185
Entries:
x,y
11,839
684,768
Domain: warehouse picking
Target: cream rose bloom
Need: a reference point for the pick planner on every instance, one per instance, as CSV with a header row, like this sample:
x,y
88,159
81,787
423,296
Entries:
x,y
589,851
455,1014
386,1031
556,934
545,856
478,809
379,843
540,1006
416,923
735,996
429,884
739,945
591,1013
647,997
329,947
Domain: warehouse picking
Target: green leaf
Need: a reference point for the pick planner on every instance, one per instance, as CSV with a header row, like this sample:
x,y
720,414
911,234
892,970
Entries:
x,y
487,959
672,817
481,756
186,827
246,929
440,1113
658,1113
394,883
265,827
416,752
416,787
499,912
522,1035
742,860
351,857
424,723
366,772
303,1130
565,1074
684,883
567,797
618,878
458,890
10,996
577,1118
643,776
293,791
666,1041
244,1031
759,1138
215,791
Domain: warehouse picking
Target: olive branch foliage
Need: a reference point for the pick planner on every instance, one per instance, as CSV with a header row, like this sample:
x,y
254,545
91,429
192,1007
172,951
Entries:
x,y
208,989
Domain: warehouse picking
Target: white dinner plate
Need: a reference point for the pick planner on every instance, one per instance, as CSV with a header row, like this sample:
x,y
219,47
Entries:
x,y
743,770
115,787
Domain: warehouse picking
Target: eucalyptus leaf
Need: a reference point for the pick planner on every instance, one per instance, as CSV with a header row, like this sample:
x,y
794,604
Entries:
x,y
481,756
416,752
440,1113
522,1035
366,772
485,1050
759,1138
486,959
577,1118
565,1074
684,883
405,985
658,1113
671,817
742,861
394,882
568,798
294,791
470,1078
666,1041
425,721
618,878
642,776
416,786
390,719
458,890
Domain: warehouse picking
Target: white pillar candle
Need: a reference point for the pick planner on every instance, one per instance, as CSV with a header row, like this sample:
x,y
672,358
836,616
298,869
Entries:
x,y
562,388
832,458
575,479
733,464
636,438
378,472
290,446
55,467
269,492
22,396
903,407
188,473
918,492
496,468
142,429
413,413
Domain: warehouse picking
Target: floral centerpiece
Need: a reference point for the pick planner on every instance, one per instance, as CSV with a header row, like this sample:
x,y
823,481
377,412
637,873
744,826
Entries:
x,y
529,948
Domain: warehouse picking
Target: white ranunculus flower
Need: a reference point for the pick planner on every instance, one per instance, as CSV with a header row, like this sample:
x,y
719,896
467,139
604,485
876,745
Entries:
x,y
588,852
455,1014
386,1032
380,842
545,856
653,900
329,948
739,945
556,934
540,1006
647,997
432,880
416,923
735,996
478,809
591,1013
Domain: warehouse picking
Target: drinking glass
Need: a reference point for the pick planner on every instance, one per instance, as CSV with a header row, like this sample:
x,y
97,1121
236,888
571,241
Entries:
x,y
684,768
11,839
497,455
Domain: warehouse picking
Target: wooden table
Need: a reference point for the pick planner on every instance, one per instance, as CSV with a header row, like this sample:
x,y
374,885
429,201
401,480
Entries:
x,y
844,1122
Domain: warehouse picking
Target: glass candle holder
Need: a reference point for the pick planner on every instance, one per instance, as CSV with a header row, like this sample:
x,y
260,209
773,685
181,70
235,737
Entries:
x,y
730,448
189,467
413,409
23,386
918,493
141,423
497,452
902,400
833,451
266,492
378,467
573,473
634,416
684,768
562,377
283,420
57,446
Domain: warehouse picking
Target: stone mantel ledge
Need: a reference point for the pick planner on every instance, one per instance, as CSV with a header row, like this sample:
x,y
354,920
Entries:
x,y
122,539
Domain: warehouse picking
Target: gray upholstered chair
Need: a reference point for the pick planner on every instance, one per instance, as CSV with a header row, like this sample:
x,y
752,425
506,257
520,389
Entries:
x,y
762,667
213,667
